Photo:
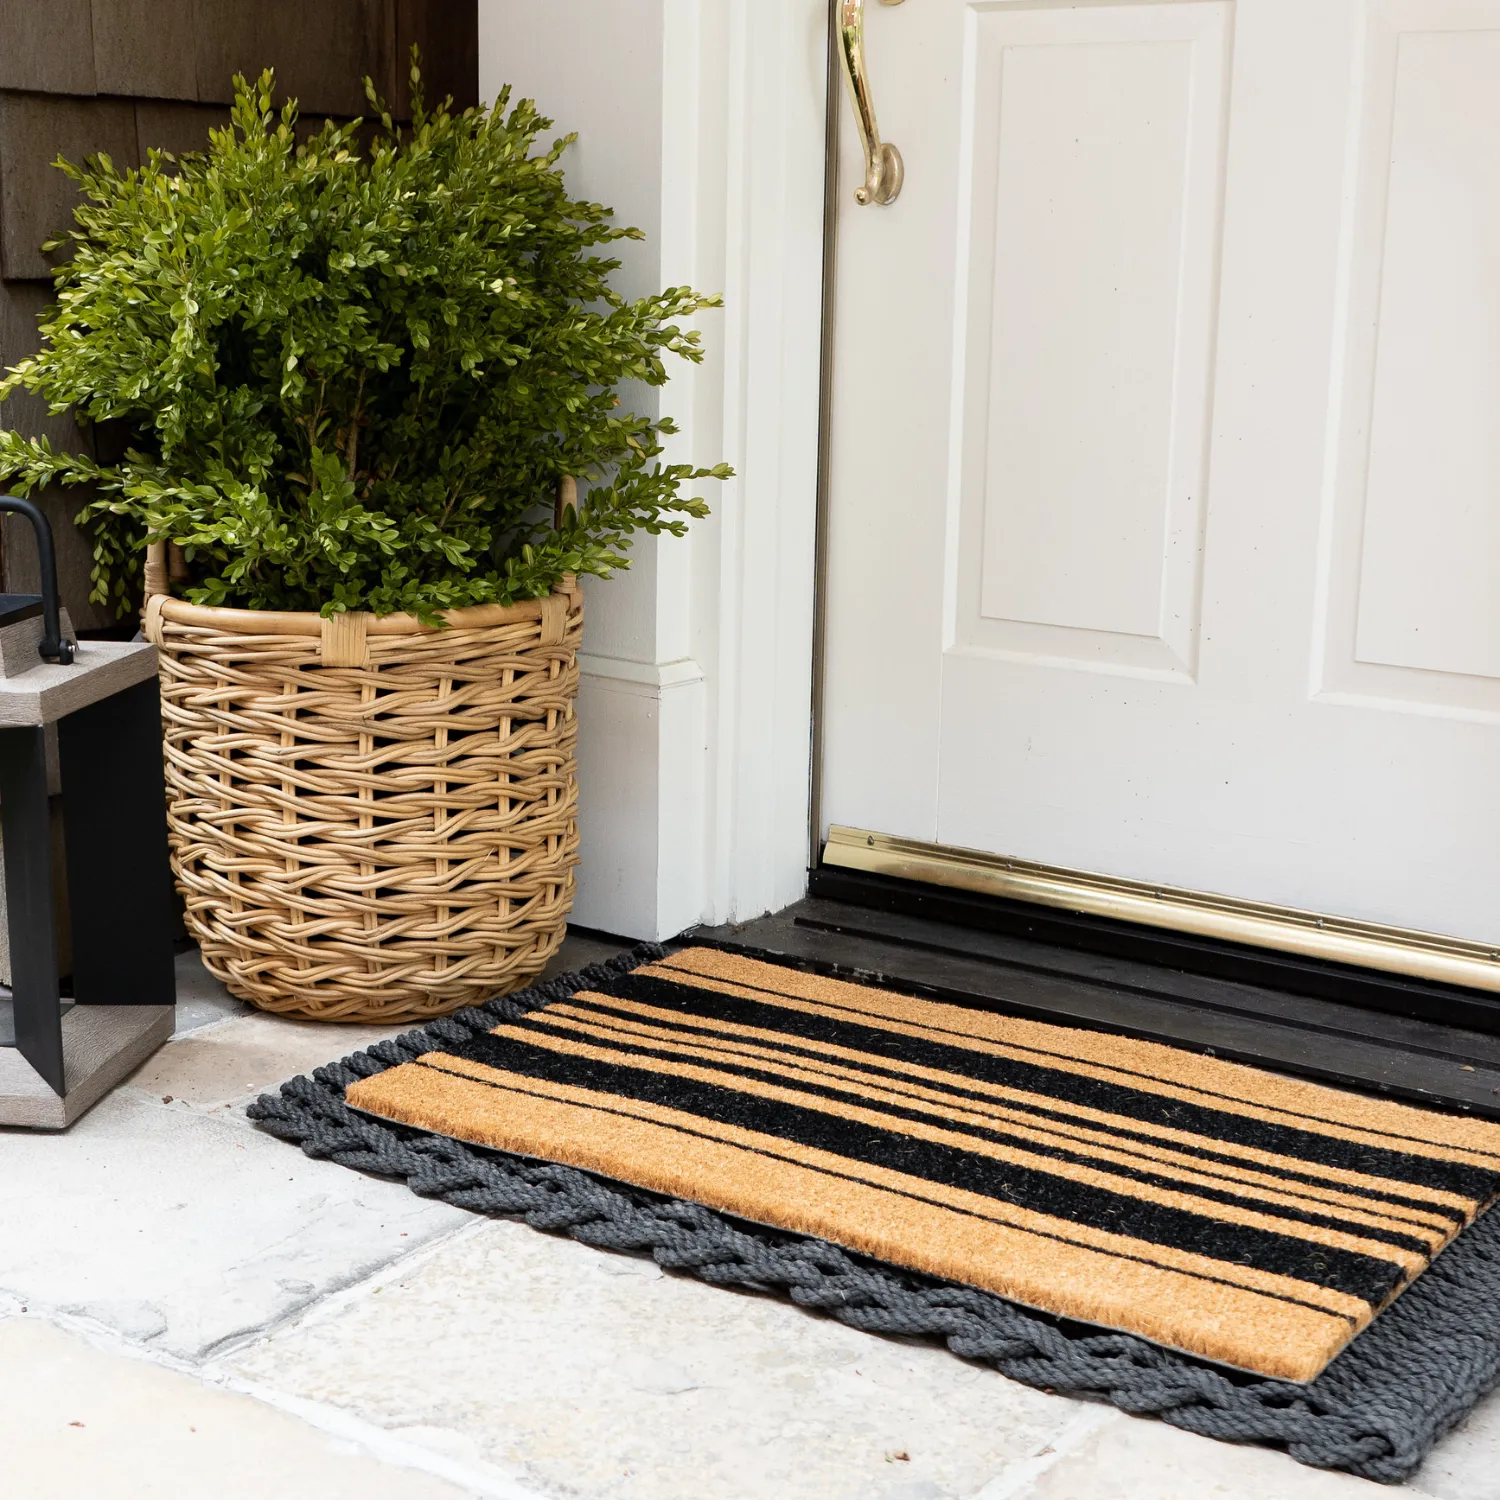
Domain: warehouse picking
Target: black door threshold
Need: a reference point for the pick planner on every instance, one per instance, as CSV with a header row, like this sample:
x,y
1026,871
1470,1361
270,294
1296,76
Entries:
x,y
1290,973
1416,1058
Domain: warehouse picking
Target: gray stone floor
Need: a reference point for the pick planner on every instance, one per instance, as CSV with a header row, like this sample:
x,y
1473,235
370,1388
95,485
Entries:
x,y
189,1307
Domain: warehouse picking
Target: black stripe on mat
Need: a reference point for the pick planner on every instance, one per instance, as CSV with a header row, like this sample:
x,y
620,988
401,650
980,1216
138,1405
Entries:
x,y
956,1000
706,1031
1355,1274
863,1016
509,1086
1246,1198
1475,1183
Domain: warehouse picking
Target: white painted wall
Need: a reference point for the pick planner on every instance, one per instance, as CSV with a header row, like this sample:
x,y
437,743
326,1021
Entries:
x,y
700,121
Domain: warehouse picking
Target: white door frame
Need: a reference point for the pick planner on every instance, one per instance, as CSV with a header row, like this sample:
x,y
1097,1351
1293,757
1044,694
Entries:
x,y
702,121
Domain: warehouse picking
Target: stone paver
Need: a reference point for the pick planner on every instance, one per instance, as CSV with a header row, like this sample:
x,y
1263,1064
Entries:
x,y
596,1374
1466,1464
76,1420
182,1230
201,999
221,1066
1133,1458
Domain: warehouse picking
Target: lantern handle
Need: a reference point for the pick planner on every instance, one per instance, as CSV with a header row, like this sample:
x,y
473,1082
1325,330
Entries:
x,y
54,645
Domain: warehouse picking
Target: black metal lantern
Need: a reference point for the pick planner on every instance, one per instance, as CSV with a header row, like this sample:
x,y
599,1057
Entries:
x,y
82,720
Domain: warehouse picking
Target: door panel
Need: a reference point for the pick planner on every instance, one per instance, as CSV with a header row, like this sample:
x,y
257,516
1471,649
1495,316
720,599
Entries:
x,y
1413,612
1165,473
1096,145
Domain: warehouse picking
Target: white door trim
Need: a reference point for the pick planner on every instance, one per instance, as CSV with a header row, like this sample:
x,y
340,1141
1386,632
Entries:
x,y
703,121
773,131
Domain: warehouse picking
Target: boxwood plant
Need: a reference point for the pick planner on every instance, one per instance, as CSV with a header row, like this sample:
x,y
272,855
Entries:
x,y
349,373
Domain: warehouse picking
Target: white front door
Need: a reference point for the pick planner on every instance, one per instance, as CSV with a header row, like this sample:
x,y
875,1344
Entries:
x,y
1165,500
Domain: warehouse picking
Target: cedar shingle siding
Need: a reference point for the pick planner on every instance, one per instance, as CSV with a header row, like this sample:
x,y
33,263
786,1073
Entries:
x,y
121,76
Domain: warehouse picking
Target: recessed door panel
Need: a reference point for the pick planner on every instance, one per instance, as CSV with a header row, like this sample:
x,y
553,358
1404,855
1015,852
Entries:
x,y
1414,616
1095,140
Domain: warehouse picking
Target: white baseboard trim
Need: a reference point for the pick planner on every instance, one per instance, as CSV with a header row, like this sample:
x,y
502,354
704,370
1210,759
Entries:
x,y
641,803
661,675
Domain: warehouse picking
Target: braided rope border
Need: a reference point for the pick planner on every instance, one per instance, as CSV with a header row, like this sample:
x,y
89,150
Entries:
x,y
1376,1411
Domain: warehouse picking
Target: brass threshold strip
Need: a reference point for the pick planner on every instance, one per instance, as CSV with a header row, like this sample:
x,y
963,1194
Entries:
x,y
1397,950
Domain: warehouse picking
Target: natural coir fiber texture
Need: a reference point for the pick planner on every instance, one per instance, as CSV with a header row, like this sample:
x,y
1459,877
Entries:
x,y
1250,1219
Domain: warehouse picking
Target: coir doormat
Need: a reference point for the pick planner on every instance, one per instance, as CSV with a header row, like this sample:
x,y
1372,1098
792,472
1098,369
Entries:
x,y
978,1161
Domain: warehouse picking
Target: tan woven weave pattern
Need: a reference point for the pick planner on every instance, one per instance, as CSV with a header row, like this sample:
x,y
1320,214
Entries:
x,y
371,820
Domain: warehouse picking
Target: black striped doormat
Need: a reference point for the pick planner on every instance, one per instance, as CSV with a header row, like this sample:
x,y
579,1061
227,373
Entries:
x,y
1241,1217
1252,1219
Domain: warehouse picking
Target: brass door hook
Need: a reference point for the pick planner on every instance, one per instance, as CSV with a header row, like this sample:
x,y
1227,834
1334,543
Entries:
x,y
883,166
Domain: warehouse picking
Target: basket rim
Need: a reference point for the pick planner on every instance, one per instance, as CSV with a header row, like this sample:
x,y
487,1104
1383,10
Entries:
x,y
305,622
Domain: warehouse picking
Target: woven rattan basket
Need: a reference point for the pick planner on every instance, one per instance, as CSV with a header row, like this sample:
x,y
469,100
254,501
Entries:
x,y
371,819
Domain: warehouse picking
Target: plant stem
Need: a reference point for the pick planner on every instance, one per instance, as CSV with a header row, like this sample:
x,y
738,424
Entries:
x,y
359,397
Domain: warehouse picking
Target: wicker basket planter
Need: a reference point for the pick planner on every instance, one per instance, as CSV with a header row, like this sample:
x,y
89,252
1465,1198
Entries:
x,y
371,819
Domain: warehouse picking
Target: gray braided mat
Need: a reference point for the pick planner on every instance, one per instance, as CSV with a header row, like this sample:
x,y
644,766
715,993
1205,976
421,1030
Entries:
x,y
1375,1411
